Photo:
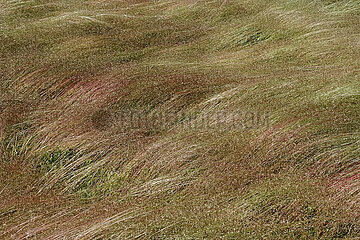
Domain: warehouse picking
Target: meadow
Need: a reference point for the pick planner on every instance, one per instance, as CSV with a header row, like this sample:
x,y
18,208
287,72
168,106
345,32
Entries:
x,y
189,119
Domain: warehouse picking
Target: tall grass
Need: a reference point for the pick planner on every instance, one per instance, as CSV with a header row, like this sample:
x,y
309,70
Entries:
x,y
130,119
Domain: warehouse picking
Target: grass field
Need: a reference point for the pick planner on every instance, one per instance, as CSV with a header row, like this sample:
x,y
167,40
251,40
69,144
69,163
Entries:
x,y
190,119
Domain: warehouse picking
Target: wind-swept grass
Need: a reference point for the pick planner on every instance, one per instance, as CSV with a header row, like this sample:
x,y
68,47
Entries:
x,y
179,119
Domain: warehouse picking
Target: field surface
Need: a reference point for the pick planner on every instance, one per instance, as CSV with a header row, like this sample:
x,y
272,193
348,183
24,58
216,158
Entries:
x,y
187,119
